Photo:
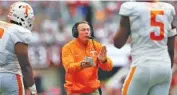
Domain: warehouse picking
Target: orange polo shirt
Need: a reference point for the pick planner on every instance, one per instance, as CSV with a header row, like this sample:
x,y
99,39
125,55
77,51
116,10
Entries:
x,y
82,80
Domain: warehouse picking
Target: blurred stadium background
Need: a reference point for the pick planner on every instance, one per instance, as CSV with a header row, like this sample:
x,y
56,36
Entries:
x,y
52,29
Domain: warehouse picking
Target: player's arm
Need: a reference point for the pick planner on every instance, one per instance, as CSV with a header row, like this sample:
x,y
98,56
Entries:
x,y
123,32
21,51
171,42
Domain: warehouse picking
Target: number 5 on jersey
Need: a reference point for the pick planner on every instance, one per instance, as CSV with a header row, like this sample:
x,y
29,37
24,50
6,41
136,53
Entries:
x,y
153,15
1,32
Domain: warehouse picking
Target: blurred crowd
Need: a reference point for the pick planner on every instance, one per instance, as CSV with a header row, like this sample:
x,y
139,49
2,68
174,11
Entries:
x,y
52,29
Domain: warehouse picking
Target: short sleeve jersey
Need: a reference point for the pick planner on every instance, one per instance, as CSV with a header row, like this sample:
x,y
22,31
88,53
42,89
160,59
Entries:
x,y
10,34
150,24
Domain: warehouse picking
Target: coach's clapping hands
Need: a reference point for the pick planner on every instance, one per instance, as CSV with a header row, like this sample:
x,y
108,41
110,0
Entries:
x,y
87,62
102,55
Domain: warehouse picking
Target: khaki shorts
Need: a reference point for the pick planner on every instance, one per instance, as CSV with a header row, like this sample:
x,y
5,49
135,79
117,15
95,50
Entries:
x,y
96,92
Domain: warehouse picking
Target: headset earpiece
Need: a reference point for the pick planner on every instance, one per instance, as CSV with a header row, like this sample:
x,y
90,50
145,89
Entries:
x,y
74,30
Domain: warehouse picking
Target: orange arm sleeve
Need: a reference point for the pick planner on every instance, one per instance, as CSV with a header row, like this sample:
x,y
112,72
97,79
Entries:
x,y
106,66
68,61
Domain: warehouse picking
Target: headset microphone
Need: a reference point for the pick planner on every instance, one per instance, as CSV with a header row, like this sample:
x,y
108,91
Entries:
x,y
91,37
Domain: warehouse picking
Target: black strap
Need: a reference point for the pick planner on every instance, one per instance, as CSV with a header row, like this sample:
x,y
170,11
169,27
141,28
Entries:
x,y
99,90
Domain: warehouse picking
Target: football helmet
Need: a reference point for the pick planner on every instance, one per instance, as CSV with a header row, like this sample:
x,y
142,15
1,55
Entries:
x,y
22,13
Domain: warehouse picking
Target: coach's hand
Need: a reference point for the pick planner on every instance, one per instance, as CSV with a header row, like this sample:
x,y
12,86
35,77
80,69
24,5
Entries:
x,y
87,62
102,55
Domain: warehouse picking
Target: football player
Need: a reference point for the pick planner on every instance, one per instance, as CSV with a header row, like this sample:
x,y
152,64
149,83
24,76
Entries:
x,y
150,26
15,69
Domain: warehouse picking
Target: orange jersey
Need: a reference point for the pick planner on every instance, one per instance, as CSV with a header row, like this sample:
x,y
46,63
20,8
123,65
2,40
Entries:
x,y
82,80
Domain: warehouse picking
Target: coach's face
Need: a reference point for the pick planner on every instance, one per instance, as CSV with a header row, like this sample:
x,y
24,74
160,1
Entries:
x,y
84,32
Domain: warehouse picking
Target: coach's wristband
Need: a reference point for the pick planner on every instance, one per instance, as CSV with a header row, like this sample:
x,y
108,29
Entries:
x,y
33,89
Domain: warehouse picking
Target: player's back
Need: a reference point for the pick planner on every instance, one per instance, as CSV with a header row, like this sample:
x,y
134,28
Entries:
x,y
10,34
150,24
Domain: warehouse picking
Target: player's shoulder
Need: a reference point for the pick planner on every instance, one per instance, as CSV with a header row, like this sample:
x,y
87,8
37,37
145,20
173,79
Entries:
x,y
165,4
128,5
19,29
169,7
4,24
14,28
20,34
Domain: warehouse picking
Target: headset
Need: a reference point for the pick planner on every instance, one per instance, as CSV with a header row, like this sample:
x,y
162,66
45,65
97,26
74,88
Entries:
x,y
75,32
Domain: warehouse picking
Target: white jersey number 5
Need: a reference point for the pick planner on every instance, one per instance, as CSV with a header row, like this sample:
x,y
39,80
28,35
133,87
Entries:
x,y
153,15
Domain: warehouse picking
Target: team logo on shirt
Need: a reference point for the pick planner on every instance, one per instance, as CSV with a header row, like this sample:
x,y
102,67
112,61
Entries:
x,y
93,52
